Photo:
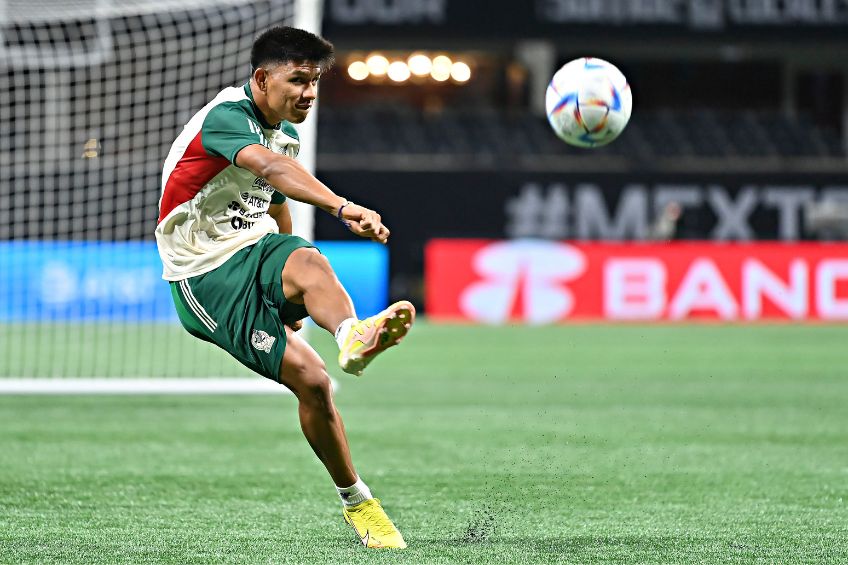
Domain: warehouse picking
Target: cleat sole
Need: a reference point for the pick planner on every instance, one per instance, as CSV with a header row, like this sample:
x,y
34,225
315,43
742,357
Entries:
x,y
393,328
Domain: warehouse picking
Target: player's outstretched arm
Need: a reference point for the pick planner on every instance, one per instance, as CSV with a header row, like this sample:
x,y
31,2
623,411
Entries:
x,y
292,179
289,177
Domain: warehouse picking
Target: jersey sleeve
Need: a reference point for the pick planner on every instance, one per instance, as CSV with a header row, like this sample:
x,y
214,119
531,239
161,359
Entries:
x,y
289,130
227,129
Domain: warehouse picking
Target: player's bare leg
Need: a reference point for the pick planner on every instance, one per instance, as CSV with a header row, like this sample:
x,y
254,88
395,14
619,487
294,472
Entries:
x,y
305,374
308,279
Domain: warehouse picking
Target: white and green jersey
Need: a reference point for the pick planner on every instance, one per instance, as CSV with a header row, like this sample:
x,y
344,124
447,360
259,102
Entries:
x,y
209,207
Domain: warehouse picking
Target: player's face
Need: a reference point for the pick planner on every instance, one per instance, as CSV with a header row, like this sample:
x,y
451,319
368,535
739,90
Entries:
x,y
291,89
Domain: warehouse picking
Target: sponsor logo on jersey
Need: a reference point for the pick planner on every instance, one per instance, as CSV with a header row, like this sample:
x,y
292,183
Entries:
x,y
263,185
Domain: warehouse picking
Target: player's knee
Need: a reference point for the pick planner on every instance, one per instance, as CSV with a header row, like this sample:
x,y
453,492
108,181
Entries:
x,y
307,269
308,264
318,265
319,394
313,383
306,258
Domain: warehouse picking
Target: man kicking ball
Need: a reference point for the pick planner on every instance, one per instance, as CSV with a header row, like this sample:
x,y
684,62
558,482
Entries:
x,y
238,277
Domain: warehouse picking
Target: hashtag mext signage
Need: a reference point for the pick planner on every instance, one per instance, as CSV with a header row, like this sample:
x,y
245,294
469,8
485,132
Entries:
x,y
541,282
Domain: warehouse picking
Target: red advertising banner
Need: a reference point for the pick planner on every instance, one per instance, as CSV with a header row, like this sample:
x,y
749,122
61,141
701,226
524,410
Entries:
x,y
546,282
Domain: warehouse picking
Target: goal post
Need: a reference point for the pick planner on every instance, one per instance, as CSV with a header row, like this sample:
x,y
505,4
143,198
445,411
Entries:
x,y
92,94
307,15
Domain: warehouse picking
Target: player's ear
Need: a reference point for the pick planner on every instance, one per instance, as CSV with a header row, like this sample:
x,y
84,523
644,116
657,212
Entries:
x,y
260,76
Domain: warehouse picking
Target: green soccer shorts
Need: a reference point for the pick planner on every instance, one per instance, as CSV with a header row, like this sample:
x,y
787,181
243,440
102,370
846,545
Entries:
x,y
240,306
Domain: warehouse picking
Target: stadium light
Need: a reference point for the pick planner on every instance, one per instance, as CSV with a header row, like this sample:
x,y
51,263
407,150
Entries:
x,y
358,70
398,71
441,70
460,72
377,64
417,64
420,65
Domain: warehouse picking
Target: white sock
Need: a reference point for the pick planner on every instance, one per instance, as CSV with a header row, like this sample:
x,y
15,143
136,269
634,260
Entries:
x,y
354,494
341,331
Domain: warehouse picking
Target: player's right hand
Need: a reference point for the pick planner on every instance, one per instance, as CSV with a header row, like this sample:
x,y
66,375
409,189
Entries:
x,y
365,223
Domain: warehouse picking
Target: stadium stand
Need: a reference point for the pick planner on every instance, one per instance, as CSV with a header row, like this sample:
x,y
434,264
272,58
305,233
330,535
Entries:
x,y
702,132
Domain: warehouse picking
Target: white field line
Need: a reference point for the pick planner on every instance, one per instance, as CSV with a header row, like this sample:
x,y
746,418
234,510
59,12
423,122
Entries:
x,y
107,385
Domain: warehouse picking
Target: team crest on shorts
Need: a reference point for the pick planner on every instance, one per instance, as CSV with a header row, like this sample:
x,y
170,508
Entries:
x,y
262,340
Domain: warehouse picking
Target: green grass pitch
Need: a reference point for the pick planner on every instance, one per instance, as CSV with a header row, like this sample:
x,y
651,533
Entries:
x,y
576,444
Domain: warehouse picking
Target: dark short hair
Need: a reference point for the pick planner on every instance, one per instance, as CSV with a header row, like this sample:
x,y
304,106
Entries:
x,y
284,44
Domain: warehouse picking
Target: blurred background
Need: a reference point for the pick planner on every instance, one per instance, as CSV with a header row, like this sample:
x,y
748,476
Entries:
x,y
738,135
717,196
630,354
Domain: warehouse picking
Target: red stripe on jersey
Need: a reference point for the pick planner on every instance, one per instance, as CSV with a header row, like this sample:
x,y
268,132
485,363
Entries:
x,y
194,169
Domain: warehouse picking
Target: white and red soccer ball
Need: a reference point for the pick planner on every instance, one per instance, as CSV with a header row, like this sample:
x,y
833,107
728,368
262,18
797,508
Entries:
x,y
588,102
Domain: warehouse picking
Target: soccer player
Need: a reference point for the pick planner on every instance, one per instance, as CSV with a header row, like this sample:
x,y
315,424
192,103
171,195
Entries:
x,y
242,281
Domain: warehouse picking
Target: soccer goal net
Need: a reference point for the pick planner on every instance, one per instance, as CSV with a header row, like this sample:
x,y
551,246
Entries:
x,y
93,92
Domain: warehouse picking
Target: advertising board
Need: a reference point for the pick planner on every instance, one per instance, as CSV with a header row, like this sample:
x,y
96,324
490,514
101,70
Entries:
x,y
121,281
538,282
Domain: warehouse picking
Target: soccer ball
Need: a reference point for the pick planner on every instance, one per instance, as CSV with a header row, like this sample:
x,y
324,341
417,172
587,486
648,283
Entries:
x,y
588,102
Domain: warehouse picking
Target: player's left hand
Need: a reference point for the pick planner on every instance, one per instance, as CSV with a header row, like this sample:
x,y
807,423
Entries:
x,y
295,326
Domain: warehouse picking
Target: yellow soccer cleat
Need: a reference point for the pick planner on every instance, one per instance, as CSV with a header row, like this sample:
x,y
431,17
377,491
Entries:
x,y
372,525
369,337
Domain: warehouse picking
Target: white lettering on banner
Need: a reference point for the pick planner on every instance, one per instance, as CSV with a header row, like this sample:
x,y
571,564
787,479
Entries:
x,y
702,14
611,11
58,284
634,289
759,281
787,11
63,284
542,282
124,286
548,211
630,219
706,14
532,214
732,216
788,202
703,288
828,274
387,12
524,275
